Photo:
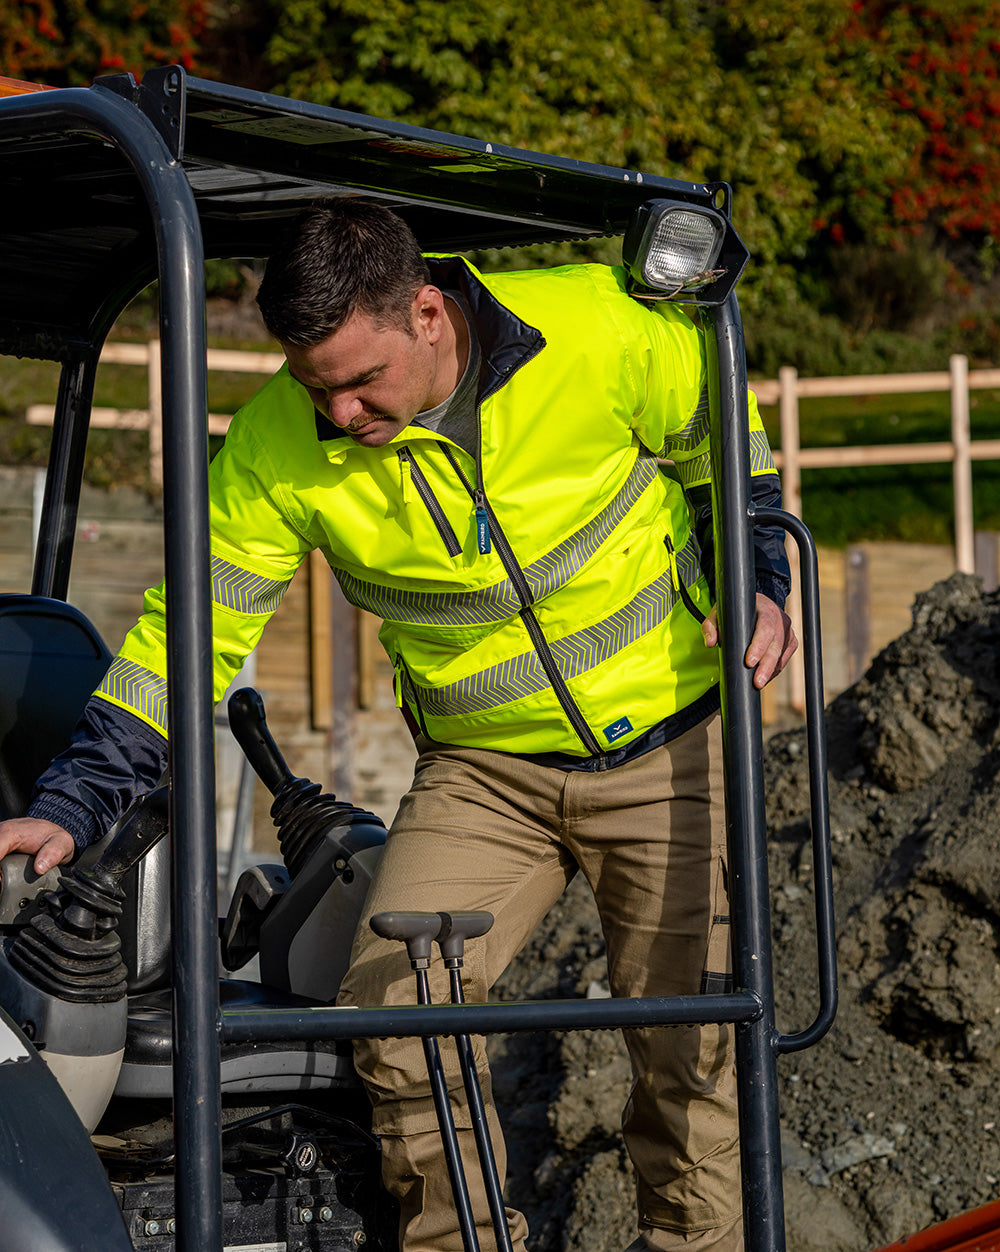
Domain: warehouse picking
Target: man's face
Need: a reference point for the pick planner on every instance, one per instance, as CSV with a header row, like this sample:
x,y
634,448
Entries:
x,y
371,381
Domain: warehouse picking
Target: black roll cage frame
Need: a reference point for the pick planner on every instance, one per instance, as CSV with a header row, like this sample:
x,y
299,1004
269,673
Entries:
x,y
458,191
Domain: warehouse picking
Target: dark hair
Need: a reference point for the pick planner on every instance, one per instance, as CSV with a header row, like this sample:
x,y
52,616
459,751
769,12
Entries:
x,y
341,256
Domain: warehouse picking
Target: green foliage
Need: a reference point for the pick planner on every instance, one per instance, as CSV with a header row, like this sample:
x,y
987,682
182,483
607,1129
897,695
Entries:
x,y
68,43
796,106
861,137
938,67
622,85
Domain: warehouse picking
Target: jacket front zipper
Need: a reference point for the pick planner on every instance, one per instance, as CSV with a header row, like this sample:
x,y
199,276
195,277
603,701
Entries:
x,y
531,624
408,465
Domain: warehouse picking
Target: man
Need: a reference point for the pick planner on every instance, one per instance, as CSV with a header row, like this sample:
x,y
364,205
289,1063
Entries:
x,y
477,457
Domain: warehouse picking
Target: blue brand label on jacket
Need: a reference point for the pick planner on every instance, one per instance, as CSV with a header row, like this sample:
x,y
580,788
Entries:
x,y
483,530
617,729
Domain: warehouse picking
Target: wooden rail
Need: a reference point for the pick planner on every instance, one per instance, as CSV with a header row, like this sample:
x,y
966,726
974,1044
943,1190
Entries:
x,y
151,419
961,450
785,391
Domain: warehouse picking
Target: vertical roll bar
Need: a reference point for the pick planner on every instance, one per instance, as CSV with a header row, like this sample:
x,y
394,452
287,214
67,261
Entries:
x,y
180,258
61,498
763,1206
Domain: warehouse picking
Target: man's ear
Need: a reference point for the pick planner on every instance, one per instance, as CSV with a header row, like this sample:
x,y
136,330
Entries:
x,y
428,312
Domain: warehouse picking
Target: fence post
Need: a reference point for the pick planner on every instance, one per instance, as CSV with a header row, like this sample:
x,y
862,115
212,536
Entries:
x,y
965,560
155,413
857,611
791,499
788,412
987,546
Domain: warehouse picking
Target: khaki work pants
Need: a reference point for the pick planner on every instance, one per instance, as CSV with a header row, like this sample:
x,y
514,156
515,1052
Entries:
x,y
485,830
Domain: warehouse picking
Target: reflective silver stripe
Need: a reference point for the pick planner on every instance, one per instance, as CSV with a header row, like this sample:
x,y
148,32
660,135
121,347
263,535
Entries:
x,y
523,675
694,433
139,689
245,592
520,676
689,561
761,460
697,470
497,603
459,608
551,571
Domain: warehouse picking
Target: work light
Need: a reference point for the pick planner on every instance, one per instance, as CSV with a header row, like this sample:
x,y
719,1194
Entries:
x,y
688,252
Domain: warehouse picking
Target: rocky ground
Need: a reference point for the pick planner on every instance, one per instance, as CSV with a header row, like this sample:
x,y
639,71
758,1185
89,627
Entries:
x,y
893,1121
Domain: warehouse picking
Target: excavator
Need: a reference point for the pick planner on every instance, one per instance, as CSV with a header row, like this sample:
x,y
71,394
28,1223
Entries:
x,y
146,1102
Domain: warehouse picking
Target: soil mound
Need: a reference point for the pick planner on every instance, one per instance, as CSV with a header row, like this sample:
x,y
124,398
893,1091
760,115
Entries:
x,y
892,1122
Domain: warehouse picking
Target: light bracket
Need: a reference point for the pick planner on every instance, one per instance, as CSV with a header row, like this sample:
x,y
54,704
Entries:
x,y
675,250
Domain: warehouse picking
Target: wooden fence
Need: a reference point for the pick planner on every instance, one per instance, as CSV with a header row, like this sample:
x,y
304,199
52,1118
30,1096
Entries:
x,y
961,450
785,391
151,419
973,553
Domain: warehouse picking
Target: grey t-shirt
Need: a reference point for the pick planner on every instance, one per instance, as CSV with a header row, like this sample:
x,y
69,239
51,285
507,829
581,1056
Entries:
x,y
456,417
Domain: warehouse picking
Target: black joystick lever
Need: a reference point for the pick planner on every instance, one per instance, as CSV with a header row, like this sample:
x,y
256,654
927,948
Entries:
x,y
248,722
71,948
301,814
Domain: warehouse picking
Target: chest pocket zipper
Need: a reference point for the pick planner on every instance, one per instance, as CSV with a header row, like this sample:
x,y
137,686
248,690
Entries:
x,y
410,471
678,582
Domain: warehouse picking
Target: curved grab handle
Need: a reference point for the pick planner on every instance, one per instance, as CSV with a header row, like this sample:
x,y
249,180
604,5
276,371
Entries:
x,y
819,801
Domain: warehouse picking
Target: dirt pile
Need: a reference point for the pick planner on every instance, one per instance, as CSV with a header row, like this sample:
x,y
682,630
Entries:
x,y
893,1121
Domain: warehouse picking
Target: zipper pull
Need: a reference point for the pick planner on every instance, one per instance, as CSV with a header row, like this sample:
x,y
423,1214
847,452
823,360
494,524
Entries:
x,y
679,587
397,680
482,521
674,578
405,475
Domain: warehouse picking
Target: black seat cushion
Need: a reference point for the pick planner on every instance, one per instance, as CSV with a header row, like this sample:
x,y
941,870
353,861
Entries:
x,y
281,1065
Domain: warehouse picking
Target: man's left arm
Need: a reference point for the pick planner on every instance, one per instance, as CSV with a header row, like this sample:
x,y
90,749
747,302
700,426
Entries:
x,y
672,418
773,642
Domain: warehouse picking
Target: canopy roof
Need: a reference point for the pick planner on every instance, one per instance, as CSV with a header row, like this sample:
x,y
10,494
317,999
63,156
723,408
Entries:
x,y
77,235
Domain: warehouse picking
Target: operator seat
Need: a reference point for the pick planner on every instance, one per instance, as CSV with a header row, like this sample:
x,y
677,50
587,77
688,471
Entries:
x,y
51,660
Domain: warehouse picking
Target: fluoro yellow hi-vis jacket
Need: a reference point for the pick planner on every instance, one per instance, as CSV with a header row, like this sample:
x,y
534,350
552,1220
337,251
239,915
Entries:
x,y
531,594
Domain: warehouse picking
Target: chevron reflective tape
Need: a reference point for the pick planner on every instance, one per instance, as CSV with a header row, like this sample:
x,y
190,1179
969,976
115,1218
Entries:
x,y
138,689
499,602
244,592
693,434
523,675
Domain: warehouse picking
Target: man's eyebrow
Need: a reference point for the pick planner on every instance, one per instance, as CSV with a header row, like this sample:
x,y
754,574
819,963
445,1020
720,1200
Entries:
x,y
357,380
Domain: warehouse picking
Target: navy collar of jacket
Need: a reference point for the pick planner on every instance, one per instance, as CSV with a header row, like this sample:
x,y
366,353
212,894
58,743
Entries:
x,y
506,341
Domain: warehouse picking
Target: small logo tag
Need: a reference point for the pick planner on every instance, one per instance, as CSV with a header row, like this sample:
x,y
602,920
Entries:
x,y
617,729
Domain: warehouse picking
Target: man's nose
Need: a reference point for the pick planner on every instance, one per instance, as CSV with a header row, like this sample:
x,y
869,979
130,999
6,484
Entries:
x,y
344,409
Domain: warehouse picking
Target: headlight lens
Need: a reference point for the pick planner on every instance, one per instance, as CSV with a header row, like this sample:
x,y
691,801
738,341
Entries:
x,y
672,247
683,245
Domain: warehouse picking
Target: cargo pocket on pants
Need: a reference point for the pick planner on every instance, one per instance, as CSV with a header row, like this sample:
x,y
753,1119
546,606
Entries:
x,y
717,976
